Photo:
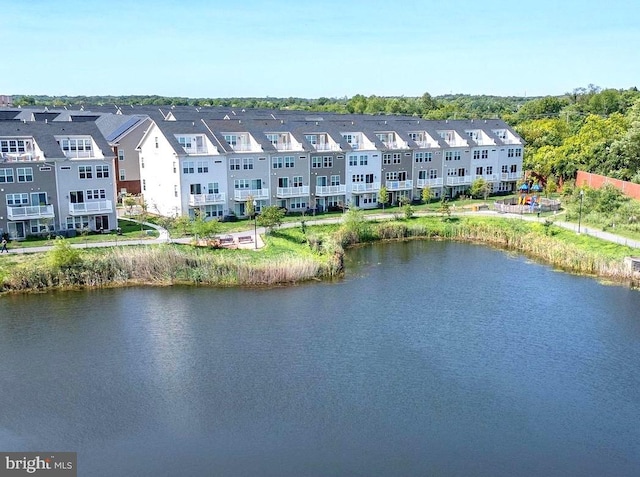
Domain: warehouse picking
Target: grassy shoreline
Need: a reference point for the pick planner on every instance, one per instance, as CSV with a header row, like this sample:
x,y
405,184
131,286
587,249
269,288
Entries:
x,y
305,253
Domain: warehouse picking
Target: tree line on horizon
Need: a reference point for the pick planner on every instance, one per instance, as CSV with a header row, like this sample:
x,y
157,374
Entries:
x,y
591,129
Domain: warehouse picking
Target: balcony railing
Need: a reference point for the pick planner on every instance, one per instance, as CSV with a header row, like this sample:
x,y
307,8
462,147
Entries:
x,y
288,146
286,192
19,157
395,145
360,188
89,208
30,212
326,147
487,177
196,200
422,183
245,148
331,190
399,185
426,144
242,194
196,150
510,176
459,180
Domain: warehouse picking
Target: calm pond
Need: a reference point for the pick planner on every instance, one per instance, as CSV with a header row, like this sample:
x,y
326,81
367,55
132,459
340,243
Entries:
x,y
427,359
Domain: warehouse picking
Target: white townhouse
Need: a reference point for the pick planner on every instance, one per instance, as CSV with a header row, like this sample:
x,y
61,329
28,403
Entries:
x,y
363,167
55,175
182,170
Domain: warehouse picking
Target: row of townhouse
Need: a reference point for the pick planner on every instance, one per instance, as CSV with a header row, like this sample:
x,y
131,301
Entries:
x,y
54,176
192,161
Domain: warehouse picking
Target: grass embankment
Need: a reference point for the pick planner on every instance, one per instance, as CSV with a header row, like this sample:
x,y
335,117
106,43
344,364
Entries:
x,y
303,253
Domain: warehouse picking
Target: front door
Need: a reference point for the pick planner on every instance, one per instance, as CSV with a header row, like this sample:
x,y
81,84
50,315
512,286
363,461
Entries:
x,y
102,222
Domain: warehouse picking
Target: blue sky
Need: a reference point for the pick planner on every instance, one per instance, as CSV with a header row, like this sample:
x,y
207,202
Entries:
x,y
200,48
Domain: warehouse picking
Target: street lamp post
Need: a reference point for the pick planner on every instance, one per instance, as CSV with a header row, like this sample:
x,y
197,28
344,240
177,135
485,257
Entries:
x,y
580,210
255,224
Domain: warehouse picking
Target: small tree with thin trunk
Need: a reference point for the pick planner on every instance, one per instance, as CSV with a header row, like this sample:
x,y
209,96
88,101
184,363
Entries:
x,y
383,196
270,217
426,195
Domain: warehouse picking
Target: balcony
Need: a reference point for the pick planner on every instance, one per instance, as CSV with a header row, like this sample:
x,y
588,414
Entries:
x,y
19,157
437,182
245,148
426,144
196,200
395,145
510,176
91,208
286,192
195,150
331,190
487,177
241,195
362,188
30,212
399,185
327,147
459,180
287,146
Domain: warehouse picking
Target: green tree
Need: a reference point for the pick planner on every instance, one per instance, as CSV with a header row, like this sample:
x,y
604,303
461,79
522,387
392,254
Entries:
x,y
249,208
201,227
270,217
62,256
480,188
408,211
426,195
383,196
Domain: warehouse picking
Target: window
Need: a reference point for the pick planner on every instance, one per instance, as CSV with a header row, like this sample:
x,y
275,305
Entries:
x,y
141,162
316,162
327,161
6,175
413,136
241,184
17,199
433,173
174,167
419,156
213,188
188,167
81,222
39,226
369,199
276,162
203,167
456,155
485,153
428,156
298,203
489,170
12,145
357,178
144,184
297,181
102,172
25,174
85,172
312,138
510,152
175,191
353,160
247,163
289,161
476,154
397,157
96,194
213,210
386,159
273,139
448,155
513,168
518,152
335,180
185,142
120,155
234,164
422,175
505,169
392,176
231,139
478,171
156,142
123,175
452,172
364,160
76,145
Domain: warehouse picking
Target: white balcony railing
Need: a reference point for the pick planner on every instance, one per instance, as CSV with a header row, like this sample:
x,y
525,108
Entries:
x,y
19,157
459,180
288,146
89,208
427,144
422,183
285,192
326,147
360,188
196,200
487,177
30,212
331,190
395,145
245,148
241,195
510,176
196,150
399,185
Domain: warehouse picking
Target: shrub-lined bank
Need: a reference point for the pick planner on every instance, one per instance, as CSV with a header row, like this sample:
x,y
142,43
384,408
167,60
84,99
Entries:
x,y
299,254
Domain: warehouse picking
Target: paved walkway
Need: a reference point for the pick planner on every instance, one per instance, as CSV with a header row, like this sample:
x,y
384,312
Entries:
x,y
245,239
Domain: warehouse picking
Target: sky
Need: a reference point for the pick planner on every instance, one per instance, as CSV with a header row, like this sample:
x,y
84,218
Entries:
x,y
327,48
